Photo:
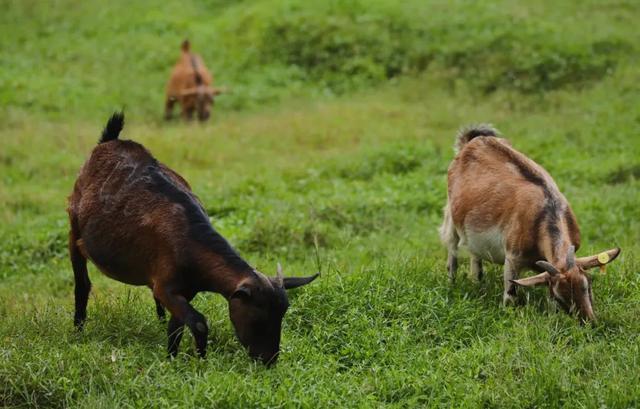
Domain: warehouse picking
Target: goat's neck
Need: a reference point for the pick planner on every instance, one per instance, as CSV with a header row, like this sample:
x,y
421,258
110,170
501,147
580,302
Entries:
x,y
219,276
557,254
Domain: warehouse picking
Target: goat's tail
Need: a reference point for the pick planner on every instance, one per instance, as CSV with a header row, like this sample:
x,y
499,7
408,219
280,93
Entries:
x,y
113,127
186,46
466,134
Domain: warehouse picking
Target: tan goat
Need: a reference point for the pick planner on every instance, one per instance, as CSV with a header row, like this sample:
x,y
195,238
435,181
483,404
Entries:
x,y
190,85
507,209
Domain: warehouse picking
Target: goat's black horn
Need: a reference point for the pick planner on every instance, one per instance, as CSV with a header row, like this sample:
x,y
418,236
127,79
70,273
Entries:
x,y
293,282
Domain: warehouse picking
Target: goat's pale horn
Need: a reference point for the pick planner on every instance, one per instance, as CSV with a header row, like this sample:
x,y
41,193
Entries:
x,y
279,276
548,267
571,256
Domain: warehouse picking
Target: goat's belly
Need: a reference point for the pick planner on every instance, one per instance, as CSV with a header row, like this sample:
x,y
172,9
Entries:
x,y
487,245
122,264
127,277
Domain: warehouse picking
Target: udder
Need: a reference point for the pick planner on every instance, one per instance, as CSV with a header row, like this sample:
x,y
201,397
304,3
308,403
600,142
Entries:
x,y
487,245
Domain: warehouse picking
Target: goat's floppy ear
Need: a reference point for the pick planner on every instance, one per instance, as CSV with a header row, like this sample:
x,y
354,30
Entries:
x,y
242,292
598,260
293,282
542,278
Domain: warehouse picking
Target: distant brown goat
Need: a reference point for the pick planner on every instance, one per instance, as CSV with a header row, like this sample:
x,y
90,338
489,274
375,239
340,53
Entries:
x,y
139,223
507,209
191,85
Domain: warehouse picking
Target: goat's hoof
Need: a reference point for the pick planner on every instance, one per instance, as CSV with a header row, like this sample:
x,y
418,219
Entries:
x,y
509,300
78,323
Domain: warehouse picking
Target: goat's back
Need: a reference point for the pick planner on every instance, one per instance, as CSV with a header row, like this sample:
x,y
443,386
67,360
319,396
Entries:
x,y
130,211
183,75
491,185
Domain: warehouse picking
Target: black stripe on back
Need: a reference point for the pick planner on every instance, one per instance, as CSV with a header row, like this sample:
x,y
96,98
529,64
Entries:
x,y
194,64
200,228
549,215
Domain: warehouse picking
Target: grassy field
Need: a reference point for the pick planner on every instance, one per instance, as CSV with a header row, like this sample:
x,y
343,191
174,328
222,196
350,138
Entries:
x,y
339,131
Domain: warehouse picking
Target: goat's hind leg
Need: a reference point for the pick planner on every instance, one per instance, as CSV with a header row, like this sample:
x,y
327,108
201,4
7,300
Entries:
x,y
449,237
82,282
159,309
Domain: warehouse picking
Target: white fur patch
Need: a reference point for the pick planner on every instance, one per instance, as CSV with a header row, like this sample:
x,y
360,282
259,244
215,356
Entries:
x,y
487,245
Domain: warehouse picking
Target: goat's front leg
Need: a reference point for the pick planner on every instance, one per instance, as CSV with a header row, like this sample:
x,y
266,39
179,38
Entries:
x,y
175,329
510,273
187,111
182,313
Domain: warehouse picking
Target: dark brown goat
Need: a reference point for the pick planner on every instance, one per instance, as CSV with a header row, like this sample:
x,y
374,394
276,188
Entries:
x,y
190,85
139,223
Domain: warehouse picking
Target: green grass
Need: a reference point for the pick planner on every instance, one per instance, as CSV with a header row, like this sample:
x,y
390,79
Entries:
x,y
355,160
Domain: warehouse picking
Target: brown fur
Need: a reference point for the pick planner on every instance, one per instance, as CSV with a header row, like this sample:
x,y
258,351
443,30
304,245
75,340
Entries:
x,y
191,86
139,223
497,194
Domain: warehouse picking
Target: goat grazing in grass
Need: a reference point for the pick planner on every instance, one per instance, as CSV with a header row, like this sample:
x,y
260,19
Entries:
x,y
507,209
190,85
139,223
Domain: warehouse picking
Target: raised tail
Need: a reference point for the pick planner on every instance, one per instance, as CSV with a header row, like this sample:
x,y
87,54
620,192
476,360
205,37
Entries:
x,y
113,127
470,132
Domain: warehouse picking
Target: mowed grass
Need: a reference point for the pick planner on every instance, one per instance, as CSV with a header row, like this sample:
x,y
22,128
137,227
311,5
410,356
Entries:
x,y
363,176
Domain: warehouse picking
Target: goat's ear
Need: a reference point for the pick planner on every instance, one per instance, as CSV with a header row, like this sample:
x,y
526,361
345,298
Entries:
x,y
542,278
242,292
293,282
548,267
598,260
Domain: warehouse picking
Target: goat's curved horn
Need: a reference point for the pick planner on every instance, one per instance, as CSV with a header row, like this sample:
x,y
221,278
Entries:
x,y
293,282
279,276
548,267
571,256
